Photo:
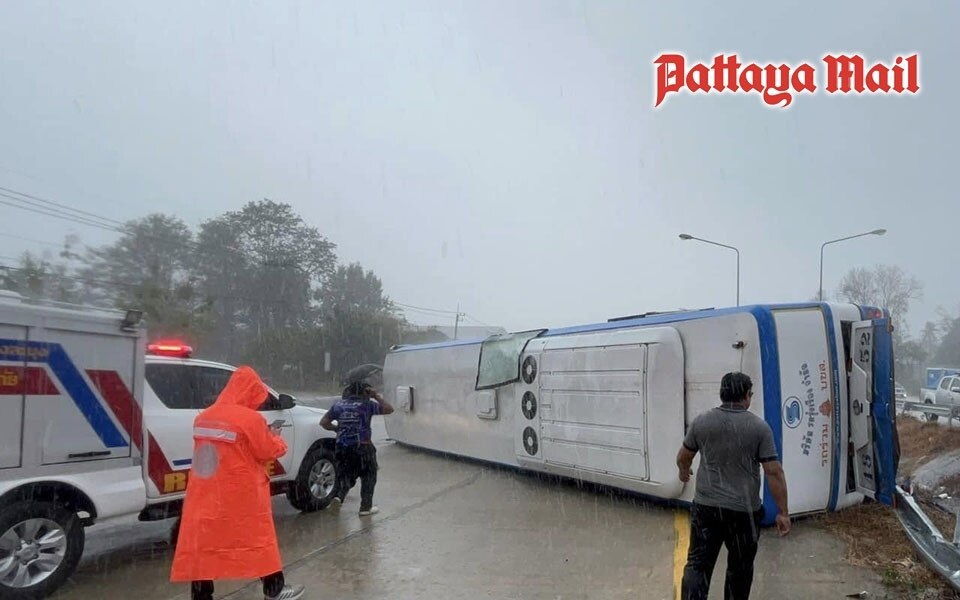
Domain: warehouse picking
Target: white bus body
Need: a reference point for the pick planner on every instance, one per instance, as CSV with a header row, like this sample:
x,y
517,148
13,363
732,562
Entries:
x,y
609,403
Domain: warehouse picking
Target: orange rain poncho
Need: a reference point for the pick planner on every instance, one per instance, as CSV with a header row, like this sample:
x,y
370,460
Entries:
x,y
226,531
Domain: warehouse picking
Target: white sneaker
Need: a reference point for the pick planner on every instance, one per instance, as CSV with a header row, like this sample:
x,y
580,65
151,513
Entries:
x,y
372,511
289,592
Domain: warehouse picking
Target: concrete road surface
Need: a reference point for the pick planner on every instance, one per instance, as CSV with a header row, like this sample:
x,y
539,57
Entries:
x,y
457,530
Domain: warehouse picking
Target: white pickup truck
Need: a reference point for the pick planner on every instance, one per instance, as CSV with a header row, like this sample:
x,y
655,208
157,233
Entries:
x,y
948,391
94,428
932,391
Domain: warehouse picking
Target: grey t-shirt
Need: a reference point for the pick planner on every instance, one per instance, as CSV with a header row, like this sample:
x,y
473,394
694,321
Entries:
x,y
732,443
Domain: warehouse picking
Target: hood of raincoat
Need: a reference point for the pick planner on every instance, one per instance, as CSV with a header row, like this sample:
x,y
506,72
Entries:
x,y
245,388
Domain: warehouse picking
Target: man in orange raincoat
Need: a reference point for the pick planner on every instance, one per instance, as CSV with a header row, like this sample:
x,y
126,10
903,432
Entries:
x,y
226,531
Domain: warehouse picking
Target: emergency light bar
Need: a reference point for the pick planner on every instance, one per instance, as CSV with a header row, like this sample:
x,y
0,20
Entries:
x,y
170,348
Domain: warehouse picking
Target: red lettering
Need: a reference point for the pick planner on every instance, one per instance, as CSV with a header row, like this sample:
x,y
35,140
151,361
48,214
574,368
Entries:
x,y
725,70
751,80
844,73
849,73
778,80
913,75
877,78
698,79
670,71
777,85
803,79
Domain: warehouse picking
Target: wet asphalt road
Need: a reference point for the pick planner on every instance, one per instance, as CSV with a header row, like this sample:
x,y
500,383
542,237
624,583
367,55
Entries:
x,y
458,530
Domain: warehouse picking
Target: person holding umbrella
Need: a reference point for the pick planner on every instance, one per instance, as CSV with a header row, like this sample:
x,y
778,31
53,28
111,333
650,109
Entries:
x,y
355,453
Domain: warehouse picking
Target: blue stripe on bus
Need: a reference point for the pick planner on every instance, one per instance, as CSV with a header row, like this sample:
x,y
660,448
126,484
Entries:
x,y
882,399
676,317
183,462
76,386
837,429
772,403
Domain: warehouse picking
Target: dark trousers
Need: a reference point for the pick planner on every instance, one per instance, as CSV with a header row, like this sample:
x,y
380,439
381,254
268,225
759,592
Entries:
x,y
711,528
353,462
272,586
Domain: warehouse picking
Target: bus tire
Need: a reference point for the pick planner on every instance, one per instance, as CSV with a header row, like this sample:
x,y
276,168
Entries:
x,y
44,533
316,481
930,418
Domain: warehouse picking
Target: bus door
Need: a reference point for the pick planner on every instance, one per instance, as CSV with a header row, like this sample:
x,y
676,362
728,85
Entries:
x,y
874,444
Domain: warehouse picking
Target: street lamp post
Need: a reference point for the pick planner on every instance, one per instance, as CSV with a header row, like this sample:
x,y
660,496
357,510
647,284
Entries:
x,y
686,236
843,239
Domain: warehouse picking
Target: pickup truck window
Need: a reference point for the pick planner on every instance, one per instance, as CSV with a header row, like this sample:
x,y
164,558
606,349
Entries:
x,y
945,383
175,385
212,382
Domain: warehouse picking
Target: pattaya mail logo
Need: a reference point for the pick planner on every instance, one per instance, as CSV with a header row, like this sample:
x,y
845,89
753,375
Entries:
x,y
777,85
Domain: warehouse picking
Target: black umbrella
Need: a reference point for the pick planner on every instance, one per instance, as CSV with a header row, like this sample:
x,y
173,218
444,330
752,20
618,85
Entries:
x,y
369,373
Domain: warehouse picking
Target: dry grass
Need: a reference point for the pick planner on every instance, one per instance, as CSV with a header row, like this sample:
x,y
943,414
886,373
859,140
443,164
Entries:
x,y
875,540
873,535
920,442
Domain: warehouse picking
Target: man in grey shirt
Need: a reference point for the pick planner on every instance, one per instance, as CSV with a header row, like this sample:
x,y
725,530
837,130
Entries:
x,y
727,510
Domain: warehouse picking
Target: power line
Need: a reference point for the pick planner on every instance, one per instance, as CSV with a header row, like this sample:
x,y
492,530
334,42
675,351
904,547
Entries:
x,y
421,315
82,220
63,206
41,206
32,240
478,321
49,213
424,309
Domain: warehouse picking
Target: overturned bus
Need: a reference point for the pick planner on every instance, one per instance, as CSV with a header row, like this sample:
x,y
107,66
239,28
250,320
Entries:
x,y
609,403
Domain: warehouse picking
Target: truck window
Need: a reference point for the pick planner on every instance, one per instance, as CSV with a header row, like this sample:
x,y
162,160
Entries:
x,y
212,382
945,383
175,385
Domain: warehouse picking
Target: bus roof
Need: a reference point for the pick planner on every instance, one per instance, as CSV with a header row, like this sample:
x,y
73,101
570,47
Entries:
x,y
652,319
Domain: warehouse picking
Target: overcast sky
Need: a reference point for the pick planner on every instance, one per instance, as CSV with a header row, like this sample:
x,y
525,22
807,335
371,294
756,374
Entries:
x,y
503,155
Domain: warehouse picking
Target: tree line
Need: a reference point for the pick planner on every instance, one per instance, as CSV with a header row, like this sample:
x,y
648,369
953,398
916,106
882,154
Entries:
x,y
261,286
890,287
256,286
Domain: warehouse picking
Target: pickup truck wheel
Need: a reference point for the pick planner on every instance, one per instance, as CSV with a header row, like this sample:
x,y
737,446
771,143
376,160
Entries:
x,y
929,417
316,482
40,547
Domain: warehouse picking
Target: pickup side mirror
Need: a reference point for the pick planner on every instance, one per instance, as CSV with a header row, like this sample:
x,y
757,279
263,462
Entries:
x,y
281,402
955,389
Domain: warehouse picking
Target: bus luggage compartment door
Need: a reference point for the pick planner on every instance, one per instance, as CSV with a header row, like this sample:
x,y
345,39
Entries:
x,y
610,404
872,426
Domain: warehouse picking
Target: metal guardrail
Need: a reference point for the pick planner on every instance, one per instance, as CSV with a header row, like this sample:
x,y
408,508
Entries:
x,y
942,555
947,412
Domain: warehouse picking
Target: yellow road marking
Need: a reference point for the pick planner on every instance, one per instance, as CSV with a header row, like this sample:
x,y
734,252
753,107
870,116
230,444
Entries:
x,y
681,526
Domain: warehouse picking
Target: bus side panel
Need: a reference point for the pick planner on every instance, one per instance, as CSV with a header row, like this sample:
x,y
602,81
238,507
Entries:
x,y
807,409
445,412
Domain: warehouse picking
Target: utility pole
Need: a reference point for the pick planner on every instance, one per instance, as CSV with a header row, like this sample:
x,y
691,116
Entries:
x,y
456,323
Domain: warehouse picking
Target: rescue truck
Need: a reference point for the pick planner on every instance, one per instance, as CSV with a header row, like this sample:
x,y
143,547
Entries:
x,y
610,403
94,428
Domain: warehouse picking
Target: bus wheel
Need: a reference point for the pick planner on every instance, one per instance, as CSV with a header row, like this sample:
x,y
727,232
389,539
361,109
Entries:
x,y
40,547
